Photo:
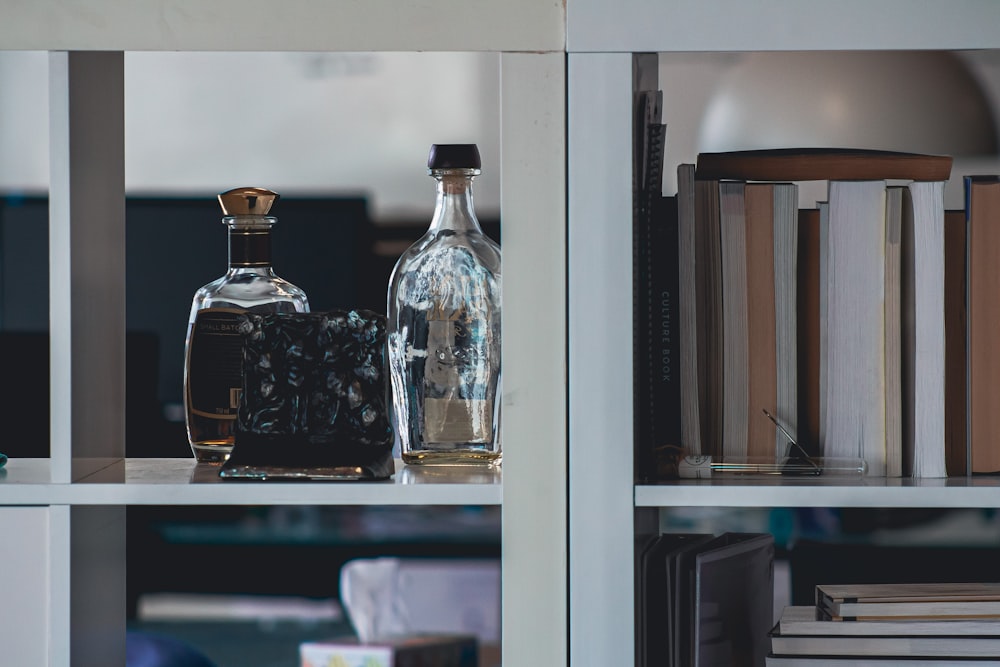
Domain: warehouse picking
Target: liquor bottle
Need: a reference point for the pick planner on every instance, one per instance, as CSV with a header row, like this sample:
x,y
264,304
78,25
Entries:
x,y
213,361
444,327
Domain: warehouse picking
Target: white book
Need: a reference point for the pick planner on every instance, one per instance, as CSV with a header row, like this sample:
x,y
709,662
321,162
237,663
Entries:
x,y
923,340
855,415
786,252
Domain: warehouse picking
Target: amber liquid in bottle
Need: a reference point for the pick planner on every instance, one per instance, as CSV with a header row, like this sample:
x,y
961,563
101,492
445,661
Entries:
x,y
214,345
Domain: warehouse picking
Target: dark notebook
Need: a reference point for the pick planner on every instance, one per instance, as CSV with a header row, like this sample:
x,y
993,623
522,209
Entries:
x,y
657,617
725,602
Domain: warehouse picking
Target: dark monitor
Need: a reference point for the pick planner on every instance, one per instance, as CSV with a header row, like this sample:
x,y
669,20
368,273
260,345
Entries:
x,y
173,247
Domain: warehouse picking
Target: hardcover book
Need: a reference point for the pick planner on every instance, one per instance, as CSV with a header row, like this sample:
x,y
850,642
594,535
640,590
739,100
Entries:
x,y
935,600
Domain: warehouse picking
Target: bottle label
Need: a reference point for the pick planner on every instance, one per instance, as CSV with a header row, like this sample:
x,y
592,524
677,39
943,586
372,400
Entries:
x,y
215,363
453,412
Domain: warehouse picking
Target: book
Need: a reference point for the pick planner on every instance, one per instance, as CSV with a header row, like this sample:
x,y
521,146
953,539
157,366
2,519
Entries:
x,y
923,307
771,211
955,333
808,324
801,620
758,237
725,601
855,382
896,646
982,196
655,351
657,626
686,325
762,335
893,333
708,320
736,354
786,240
929,600
823,164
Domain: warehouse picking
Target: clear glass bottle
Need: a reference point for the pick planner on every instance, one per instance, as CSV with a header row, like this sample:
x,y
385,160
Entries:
x,y
213,360
444,327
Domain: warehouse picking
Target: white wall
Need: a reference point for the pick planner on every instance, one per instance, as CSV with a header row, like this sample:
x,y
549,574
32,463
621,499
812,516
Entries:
x,y
201,123
692,81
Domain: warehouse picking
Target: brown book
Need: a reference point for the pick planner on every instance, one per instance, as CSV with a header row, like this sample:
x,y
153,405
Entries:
x,y
708,286
822,164
762,378
894,454
955,423
808,330
758,231
983,211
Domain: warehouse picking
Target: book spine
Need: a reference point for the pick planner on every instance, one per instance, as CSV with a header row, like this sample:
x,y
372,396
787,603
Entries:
x,y
665,385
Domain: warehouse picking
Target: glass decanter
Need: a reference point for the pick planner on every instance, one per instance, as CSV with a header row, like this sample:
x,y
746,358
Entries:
x,y
444,327
213,360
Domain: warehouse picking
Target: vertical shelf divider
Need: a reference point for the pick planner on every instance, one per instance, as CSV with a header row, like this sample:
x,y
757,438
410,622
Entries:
x,y
86,261
533,237
600,358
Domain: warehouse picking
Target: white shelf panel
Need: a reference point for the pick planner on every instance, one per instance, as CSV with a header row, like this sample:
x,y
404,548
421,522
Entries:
x,y
183,482
780,25
293,25
831,492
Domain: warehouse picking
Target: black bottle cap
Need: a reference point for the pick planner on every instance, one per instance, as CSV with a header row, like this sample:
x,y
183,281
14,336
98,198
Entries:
x,y
454,156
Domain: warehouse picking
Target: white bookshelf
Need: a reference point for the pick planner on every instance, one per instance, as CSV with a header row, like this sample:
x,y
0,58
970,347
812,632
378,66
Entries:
x,y
608,511
78,496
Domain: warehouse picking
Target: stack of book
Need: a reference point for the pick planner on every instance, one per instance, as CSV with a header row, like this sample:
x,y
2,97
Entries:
x,y
876,625
831,318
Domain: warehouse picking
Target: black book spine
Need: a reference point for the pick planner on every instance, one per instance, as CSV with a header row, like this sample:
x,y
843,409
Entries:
x,y
664,388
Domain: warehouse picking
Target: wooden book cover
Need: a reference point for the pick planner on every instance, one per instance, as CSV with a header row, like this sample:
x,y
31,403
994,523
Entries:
x,y
808,330
762,376
983,211
955,332
823,164
927,600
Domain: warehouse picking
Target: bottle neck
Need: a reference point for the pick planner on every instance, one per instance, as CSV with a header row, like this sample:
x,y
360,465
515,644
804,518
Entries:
x,y
454,210
250,243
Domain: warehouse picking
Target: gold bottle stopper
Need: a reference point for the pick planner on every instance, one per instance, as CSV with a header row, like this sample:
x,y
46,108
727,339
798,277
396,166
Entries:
x,y
247,201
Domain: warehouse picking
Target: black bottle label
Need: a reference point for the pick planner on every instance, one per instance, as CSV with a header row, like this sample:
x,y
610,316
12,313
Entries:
x,y
215,370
